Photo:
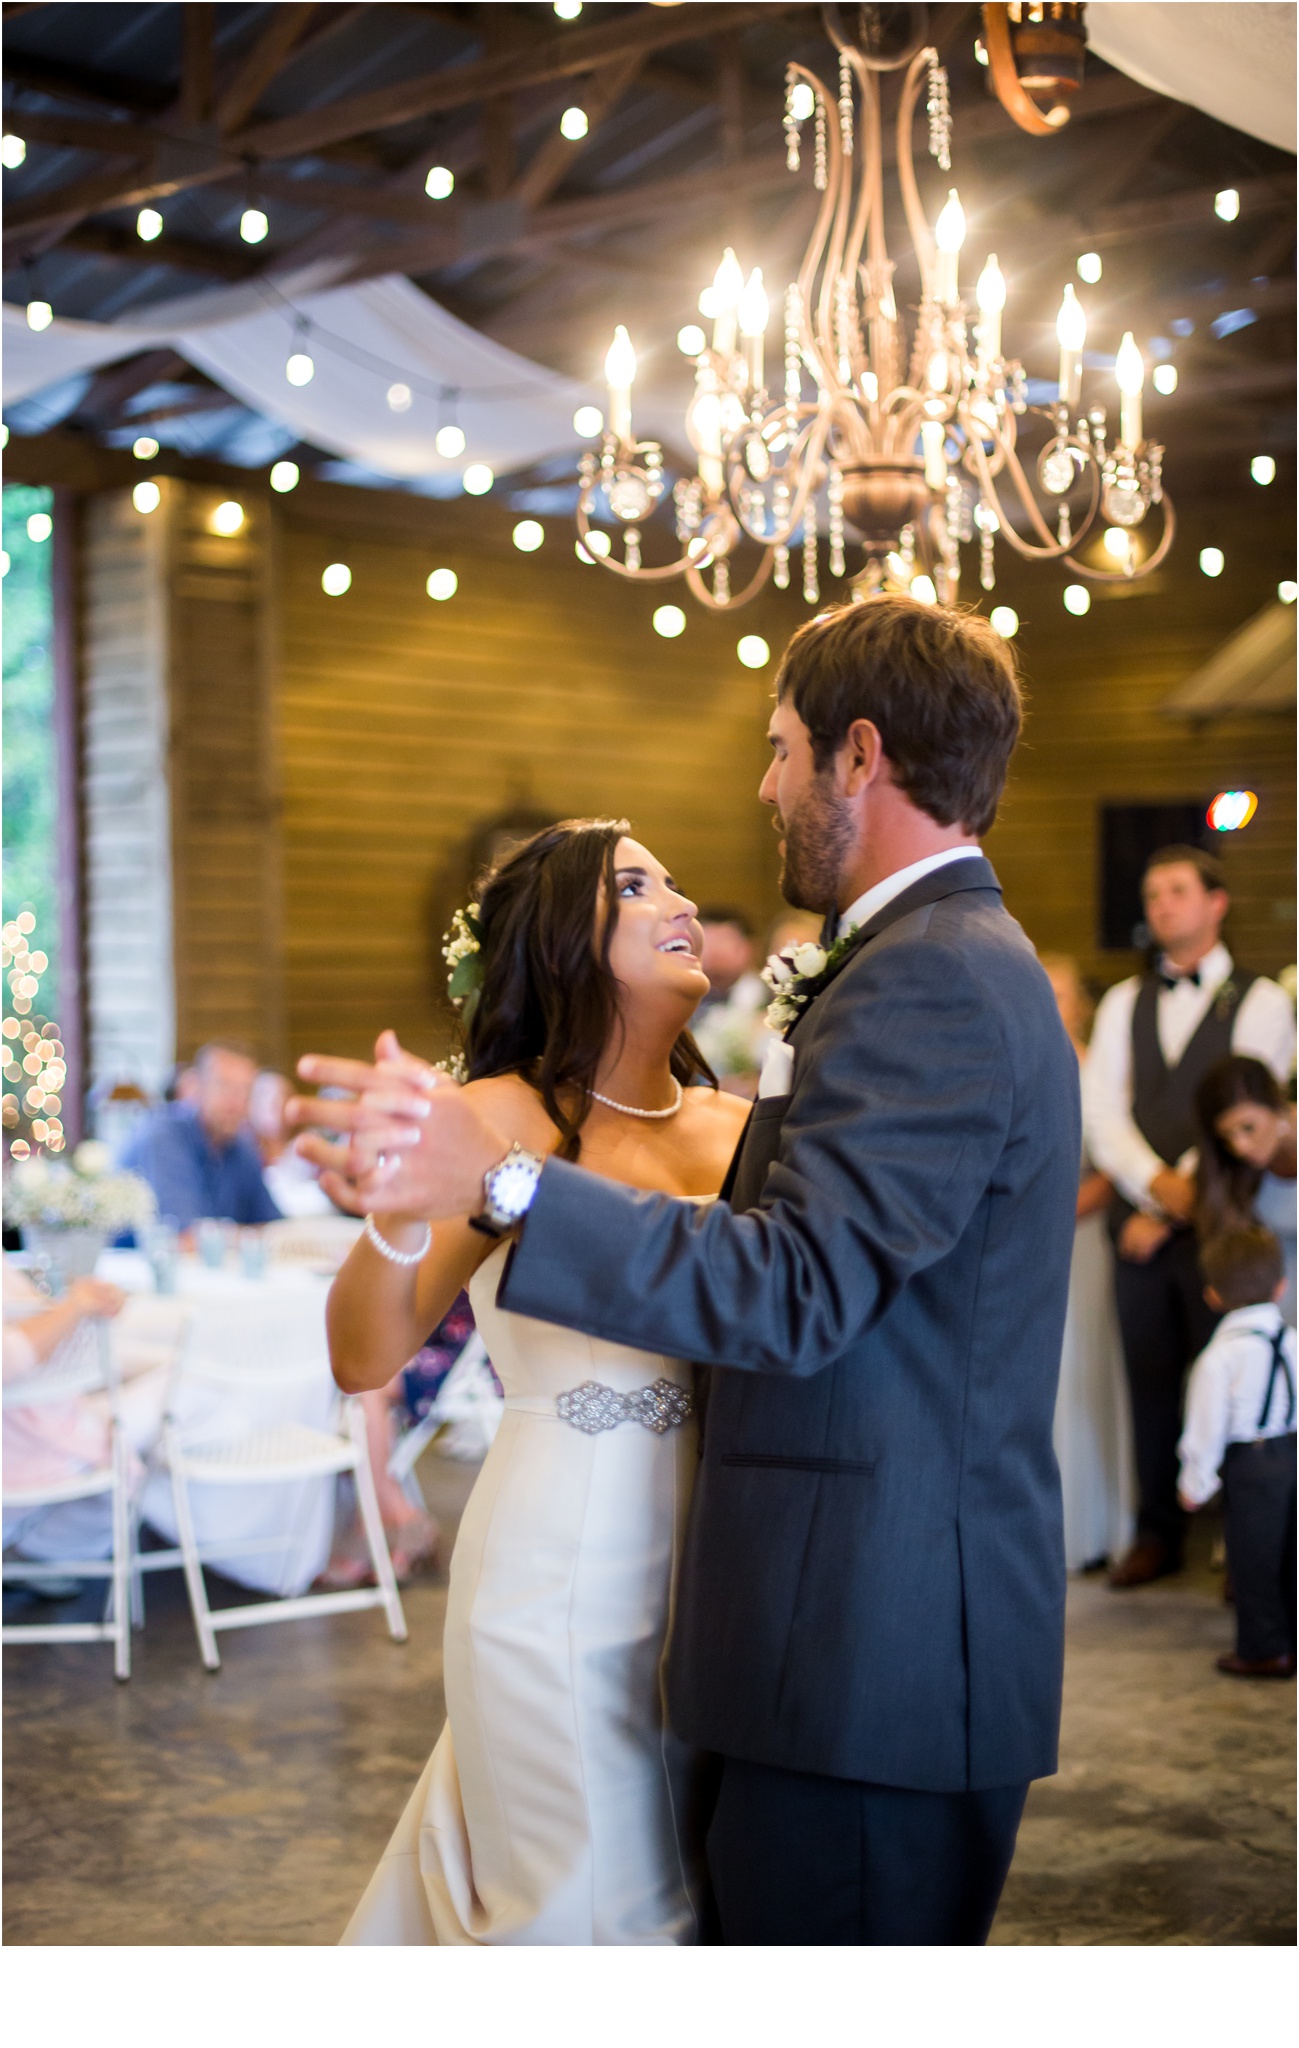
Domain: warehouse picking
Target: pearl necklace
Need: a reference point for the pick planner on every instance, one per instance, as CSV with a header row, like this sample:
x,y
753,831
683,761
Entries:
x,y
627,1110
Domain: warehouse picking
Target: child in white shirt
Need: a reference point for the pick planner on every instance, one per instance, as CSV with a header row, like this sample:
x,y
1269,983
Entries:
x,y
1240,1430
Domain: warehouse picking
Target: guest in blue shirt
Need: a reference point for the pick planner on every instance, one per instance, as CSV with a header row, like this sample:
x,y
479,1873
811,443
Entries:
x,y
198,1156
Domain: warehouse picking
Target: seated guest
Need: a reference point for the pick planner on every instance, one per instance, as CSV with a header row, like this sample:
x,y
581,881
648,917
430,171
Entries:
x,y
728,1026
294,1183
198,1157
1240,1431
1247,1157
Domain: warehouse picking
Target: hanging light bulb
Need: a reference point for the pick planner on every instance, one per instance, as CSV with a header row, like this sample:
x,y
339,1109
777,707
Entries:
x,y
949,236
449,441
284,476
253,225
300,369
440,182
148,224
1130,375
1071,333
1164,379
728,286
39,315
620,374
573,124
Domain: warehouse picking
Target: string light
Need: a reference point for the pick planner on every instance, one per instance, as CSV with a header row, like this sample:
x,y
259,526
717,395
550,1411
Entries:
x,y
1287,592
299,369
1164,379
669,622
440,183
442,584
253,225
1212,561
399,398
144,448
146,497
478,479
284,476
1004,621
39,315
691,340
588,421
13,152
1090,267
1077,599
528,536
449,441
568,10
1263,469
337,580
227,518
1226,204
573,124
39,526
754,651
148,224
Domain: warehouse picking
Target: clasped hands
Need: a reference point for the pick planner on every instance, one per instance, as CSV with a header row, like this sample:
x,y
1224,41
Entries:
x,y
410,1143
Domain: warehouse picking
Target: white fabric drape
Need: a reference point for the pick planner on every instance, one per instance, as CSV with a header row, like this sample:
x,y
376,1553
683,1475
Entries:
x,y
1234,59
362,338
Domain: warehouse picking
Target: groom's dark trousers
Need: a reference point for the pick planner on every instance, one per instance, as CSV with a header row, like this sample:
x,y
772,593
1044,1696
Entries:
x,y
869,1617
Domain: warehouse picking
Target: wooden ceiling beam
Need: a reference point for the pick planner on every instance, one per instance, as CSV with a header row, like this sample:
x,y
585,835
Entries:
x,y
62,80
177,252
194,102
550,165
561,53
266,59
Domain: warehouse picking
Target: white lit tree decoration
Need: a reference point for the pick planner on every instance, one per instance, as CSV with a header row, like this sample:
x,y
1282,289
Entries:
x,y
912,439
35,1071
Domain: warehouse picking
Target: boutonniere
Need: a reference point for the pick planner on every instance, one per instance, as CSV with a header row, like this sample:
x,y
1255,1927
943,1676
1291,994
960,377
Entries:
x,y
801,972
1225,1000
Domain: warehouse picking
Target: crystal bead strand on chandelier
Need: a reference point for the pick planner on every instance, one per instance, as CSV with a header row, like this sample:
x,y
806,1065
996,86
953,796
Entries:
x,y
845,101
811,577
939,109
791,125
834,492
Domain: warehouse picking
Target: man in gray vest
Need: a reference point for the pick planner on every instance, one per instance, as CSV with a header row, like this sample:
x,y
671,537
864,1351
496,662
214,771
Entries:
x,y
1156,1037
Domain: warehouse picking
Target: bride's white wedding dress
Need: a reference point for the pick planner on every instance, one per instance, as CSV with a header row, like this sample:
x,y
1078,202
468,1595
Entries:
x,y
555,1808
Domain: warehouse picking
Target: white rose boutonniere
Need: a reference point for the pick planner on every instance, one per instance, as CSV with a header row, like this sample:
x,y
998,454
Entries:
x,y
801,972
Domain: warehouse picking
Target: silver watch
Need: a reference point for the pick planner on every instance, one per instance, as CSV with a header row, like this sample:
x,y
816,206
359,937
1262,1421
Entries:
x,y
509,1187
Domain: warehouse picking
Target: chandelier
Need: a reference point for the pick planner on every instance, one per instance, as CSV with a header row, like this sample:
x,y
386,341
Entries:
x,y
907,444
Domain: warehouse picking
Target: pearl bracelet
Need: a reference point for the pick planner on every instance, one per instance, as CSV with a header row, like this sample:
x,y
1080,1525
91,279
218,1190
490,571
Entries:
x,y
390,1252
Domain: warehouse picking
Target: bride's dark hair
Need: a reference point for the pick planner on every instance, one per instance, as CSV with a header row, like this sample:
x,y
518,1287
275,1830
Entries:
x,y
549,999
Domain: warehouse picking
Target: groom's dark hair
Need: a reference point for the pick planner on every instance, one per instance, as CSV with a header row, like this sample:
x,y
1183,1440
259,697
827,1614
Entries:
x,y
939,686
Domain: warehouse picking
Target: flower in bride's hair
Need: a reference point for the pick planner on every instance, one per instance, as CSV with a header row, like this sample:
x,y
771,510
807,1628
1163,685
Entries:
x,y
808,960
462,951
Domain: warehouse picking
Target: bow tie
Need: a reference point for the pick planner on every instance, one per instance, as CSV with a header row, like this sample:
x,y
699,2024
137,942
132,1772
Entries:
x,y
1176,980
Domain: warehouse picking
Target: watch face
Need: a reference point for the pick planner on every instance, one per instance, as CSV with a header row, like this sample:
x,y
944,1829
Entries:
x,y
512,1184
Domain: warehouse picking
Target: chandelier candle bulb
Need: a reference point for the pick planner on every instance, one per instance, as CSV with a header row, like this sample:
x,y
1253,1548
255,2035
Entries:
x,y
949,238
753,314
1071,333
991,295
728,287
1130,375
933,433
620,374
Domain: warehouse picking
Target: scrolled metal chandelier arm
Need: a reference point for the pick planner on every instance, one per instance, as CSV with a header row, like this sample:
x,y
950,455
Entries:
x,y
910,437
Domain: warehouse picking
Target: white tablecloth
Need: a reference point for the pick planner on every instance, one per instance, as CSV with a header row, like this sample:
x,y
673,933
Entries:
x,y
266,1340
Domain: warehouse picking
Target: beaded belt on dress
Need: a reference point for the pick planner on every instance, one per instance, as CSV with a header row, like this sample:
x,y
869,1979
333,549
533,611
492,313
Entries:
x,y
593,1407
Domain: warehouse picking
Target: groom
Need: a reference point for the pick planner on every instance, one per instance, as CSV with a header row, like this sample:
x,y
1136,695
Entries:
x,y
869,1624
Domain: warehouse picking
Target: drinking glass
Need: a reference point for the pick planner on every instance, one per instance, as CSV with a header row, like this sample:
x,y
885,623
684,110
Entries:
x,y
211,1242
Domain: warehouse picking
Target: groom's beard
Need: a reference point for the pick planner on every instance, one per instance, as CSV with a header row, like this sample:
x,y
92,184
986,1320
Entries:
x,y
817,840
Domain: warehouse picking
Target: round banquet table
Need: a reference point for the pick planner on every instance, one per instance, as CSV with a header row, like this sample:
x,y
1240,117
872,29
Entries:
x,y
254,1356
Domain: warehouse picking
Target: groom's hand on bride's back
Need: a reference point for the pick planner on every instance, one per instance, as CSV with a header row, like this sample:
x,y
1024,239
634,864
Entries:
x,y
408,1140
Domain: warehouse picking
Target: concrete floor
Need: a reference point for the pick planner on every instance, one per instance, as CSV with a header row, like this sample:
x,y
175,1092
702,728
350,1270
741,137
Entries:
x,y
249,1808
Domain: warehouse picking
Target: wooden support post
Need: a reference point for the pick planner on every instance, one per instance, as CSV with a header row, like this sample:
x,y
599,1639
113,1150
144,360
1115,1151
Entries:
x,y
66,643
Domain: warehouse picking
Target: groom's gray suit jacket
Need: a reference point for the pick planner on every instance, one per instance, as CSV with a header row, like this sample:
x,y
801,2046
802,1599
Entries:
x,y
873,1580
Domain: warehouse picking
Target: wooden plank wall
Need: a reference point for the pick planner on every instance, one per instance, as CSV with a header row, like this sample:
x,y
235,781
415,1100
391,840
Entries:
x,y
405,724
1095,733
225,803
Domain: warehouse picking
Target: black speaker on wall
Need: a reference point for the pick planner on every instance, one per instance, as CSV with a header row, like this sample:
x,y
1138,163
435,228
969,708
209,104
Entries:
x,y
1129,834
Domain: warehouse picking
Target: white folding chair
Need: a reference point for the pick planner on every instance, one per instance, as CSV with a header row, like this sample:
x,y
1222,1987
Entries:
x,y
284,1453
82,1364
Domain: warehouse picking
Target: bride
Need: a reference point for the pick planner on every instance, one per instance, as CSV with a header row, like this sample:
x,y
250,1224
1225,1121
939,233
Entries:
x,y
555,1808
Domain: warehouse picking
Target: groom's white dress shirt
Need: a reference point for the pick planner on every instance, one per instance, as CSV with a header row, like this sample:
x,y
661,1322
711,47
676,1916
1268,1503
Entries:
x,y
777,1076
1263,1028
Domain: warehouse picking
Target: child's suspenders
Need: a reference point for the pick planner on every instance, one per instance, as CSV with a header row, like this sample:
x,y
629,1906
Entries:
x,y
1280,1366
